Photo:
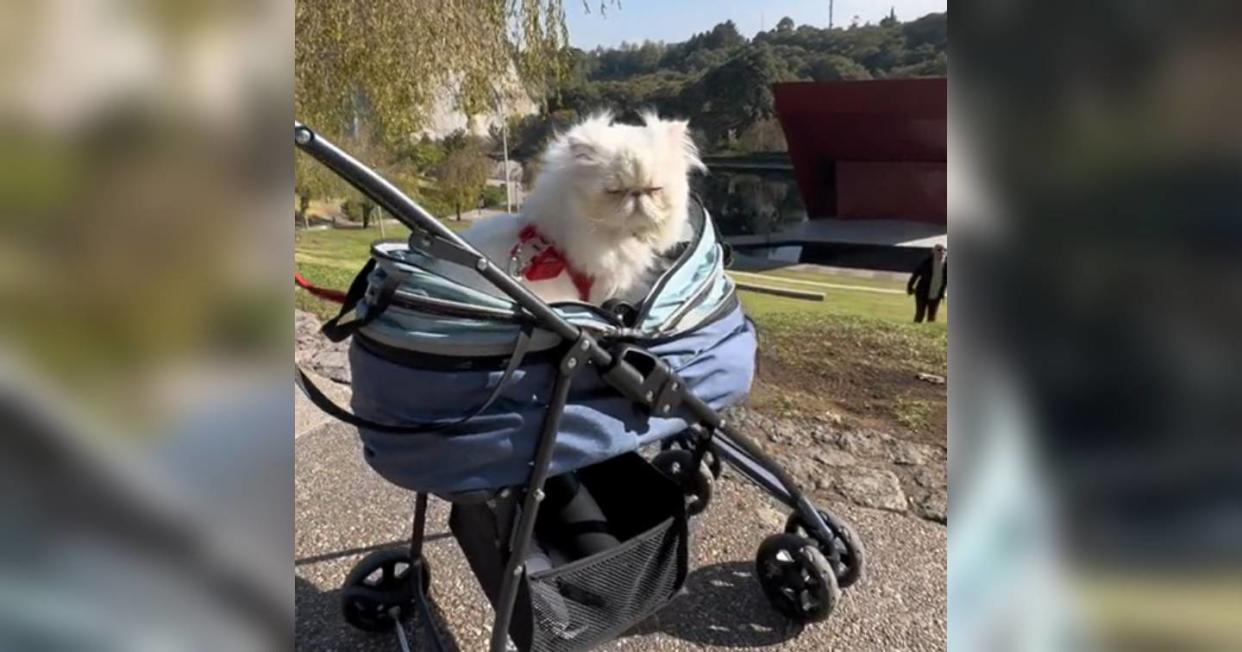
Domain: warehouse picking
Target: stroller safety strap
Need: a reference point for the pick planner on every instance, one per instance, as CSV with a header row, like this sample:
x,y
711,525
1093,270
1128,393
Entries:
x,y
335,331
521,347
335,296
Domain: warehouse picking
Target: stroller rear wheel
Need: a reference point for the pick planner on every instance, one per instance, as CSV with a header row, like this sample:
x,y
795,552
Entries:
x,y
845,554
796,578
696,484
377,584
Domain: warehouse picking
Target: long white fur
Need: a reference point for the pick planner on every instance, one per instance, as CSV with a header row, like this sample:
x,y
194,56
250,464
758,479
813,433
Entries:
x,y
593,200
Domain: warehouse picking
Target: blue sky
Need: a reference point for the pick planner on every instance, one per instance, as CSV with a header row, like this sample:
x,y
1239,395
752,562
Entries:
x,y
677,20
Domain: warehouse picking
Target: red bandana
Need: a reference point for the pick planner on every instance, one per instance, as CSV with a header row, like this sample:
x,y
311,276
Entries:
x,y
548,262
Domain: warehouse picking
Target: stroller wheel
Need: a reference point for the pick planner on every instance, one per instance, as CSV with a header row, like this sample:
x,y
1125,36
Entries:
x,y
381,581
713,463
845,554
709,456
796,578
696,484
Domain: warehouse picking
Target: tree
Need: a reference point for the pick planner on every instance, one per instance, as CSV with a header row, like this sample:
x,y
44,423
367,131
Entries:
x,y
425,155
786,24
834,67
735,95
311,180
463,173
932,29
763,136
724,36
394,57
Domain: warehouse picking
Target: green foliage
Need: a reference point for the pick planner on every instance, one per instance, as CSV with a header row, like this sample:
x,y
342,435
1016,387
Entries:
x,y
737,94
425,155
463,173
531,134
763,136
389,59
361,210
932,29
434,202
834,67
722,81
494,197
891,19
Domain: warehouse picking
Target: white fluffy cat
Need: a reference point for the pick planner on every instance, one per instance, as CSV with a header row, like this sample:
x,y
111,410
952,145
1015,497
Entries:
x,y
609,200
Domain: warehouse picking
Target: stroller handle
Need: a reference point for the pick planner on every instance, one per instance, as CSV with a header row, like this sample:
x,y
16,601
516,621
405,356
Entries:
x,y
409,213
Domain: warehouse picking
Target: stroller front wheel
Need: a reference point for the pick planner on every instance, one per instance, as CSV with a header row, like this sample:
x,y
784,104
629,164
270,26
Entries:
x,y
696,483
377,584
710,458
796,578
845,553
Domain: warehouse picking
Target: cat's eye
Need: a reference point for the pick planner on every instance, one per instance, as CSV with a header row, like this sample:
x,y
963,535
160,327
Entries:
x,y
636,191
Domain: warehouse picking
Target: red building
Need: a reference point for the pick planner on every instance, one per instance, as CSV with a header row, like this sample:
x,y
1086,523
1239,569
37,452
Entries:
x,y
868,150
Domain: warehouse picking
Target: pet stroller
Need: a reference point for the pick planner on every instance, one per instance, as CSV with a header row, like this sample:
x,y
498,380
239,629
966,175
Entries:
x,y
528,419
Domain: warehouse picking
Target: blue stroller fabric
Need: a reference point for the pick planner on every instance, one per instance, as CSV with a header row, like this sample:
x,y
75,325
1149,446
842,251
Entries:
x,y
435,349
495,449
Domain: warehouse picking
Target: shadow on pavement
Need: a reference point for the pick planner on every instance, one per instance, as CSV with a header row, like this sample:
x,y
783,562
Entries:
x,y
722,606
320,625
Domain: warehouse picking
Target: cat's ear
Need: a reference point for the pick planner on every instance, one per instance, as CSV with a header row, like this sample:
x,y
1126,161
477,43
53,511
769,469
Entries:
x,y
678,130
679,135
584,141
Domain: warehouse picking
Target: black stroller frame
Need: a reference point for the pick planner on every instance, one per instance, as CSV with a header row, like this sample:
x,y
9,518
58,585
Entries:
x,y
636,374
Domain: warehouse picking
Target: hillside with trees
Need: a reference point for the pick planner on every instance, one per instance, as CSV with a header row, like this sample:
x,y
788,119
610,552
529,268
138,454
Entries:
x,y
722,80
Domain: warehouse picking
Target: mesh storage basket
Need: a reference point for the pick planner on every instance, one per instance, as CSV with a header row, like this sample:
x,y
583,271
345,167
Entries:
x,y
582,603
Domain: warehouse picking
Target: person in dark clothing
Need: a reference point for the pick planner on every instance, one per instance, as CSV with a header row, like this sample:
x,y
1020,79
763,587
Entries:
x,y
928,284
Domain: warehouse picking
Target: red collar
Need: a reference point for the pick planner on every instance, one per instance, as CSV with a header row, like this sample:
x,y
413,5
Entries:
x,y
548,262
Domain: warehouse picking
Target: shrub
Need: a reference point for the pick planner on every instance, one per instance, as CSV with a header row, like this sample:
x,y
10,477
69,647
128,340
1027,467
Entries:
x,y
494,196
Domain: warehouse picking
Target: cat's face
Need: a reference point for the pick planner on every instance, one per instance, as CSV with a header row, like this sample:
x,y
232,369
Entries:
x,y
632,180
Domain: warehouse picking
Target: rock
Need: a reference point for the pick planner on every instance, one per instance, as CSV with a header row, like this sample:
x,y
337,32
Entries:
x,y
824,437
316,352
834,457
930,378
830,417
779,431
332,364
772,519
864,443
931,477
909,453
870,487
933,507
305,331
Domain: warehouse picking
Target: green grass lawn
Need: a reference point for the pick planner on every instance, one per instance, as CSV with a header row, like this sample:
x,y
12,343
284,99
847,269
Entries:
x,y
331,257
808,279
893,308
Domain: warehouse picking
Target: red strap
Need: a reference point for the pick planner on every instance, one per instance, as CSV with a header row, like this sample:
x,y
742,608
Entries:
x,y
549,263
323,293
